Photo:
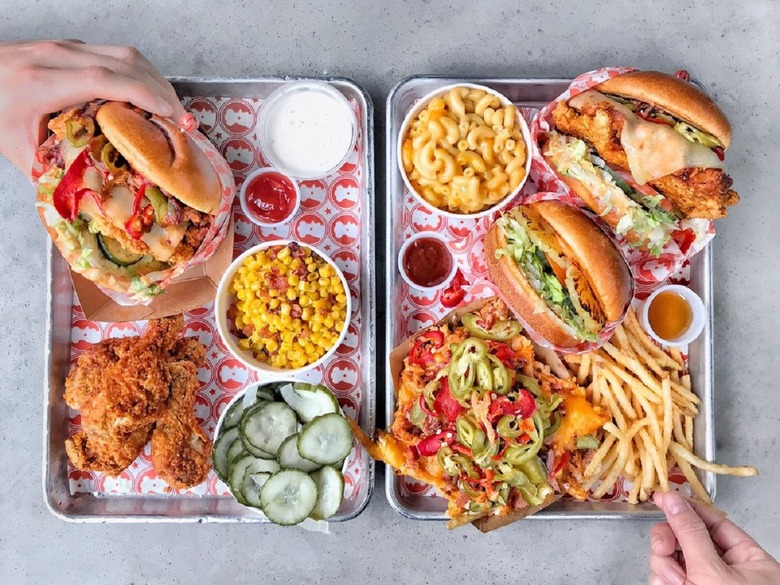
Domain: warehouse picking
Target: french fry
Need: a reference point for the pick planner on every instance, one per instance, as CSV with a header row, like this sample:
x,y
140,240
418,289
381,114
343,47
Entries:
x,y
689,432
582,374
632,324
599,455
680,452
696,486
668,414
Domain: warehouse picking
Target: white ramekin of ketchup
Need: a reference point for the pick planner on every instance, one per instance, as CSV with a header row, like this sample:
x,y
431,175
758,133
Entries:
x,y
269,197
425,261
674,315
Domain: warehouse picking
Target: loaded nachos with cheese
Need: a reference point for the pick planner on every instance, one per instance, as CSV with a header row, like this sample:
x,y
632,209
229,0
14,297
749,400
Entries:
x,y
486,423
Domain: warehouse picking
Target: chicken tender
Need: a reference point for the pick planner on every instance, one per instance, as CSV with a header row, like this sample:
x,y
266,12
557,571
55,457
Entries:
x,y
181,451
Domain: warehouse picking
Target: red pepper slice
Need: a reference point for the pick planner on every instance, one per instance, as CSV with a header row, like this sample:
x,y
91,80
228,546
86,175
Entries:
x,y
458,448
682,74
501,454
432,444
70,190
445,404
424,407
718,150
421,353
454,293
130,223
504,353
684,239
649,118
525,406
561,463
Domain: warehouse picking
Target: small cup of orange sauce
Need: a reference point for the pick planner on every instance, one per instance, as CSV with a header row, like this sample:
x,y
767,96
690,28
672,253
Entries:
x,y
269,198
674,315
425,261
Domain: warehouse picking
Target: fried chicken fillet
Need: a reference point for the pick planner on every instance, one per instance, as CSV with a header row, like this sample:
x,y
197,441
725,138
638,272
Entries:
x,y
126,387
696,192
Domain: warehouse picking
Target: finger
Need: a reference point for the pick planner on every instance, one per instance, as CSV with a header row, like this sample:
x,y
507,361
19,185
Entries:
x,y
68,55
128,61
94,83
662,540
667,569
135,57
656,580
724,532
689,529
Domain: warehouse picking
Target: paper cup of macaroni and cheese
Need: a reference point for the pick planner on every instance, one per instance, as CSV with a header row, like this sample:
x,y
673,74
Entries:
x,y
464,151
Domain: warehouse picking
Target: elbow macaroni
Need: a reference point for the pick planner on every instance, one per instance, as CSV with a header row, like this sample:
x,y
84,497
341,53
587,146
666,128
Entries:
x,y
465,151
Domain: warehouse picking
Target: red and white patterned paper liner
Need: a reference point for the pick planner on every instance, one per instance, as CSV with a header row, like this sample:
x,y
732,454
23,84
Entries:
x,y
330,215
216,233
648,270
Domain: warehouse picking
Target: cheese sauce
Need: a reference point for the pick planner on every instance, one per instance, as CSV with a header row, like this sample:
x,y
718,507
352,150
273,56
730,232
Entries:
x,y
653,150
308,132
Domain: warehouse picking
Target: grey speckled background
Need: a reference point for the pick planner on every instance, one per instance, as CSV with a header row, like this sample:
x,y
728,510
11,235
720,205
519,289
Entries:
x,y
732,46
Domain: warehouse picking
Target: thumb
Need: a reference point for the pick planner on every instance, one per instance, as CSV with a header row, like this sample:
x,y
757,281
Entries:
x,y
690,531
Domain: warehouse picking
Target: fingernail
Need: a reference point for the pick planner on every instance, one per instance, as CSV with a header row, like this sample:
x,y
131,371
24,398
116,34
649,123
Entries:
x,y
674,576
675,504
164,107
653,542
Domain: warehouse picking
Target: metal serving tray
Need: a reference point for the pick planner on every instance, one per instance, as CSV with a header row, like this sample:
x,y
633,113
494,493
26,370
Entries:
x,y
191,507
422,504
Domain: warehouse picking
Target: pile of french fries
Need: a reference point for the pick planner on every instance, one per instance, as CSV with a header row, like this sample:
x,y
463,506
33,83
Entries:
x,y
648,392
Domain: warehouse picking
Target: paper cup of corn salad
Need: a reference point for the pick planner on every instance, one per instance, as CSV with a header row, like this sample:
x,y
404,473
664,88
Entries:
x,y
283,307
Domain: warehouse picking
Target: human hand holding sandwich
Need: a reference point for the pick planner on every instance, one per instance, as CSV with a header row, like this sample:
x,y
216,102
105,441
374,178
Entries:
x,y
700,546
43,77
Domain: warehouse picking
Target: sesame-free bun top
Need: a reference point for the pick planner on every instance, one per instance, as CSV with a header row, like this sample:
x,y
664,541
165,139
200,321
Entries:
x,y
163,153
680,98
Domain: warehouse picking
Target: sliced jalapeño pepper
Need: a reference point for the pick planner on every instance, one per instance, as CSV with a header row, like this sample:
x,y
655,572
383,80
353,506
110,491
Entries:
x,y
80,132
502,377
530,384
508,427
111,158
501,331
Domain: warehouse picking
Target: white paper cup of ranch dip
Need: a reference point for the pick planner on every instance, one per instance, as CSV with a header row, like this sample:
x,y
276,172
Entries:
x,y
307,129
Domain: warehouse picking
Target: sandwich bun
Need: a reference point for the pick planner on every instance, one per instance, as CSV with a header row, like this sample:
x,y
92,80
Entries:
x,y
680,98
164,154
581,240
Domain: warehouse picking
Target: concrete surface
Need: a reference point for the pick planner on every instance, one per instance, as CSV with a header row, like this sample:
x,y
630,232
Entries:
x,y
732,46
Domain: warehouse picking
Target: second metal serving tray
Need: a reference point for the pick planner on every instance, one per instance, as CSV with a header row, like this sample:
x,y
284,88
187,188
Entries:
x,y
418,501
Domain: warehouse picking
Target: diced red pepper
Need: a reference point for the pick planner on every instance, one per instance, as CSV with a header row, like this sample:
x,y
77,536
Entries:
x,y
421,353
718,150
432,444
649,118
444,404
501,454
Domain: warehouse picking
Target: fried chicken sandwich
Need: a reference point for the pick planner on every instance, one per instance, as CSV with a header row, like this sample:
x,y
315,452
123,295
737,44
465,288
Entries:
x,y
124,194
644,150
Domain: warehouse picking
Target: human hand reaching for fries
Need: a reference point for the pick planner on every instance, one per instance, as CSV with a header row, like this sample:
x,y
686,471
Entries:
x,y
40,78
699,546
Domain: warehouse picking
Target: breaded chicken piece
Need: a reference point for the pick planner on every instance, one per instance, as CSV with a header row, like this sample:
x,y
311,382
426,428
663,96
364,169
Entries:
x,y
111,454
189,349
696,192
181,451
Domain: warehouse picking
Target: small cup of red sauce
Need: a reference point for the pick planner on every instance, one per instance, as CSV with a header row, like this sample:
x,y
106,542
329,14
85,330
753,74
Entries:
x,y
269,198
425,261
